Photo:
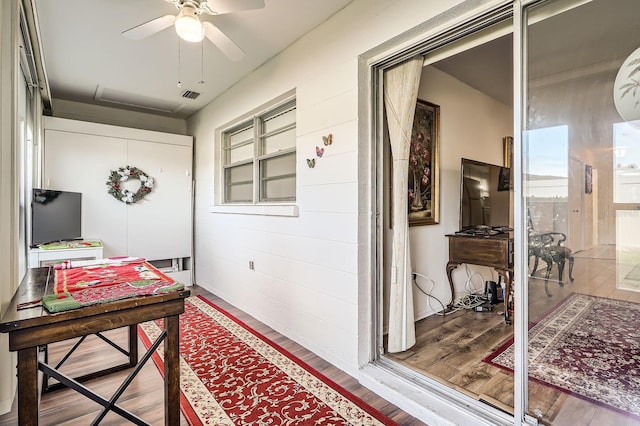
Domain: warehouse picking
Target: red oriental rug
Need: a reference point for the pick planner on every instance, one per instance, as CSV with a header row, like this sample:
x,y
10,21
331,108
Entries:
x,y
231,375
588,347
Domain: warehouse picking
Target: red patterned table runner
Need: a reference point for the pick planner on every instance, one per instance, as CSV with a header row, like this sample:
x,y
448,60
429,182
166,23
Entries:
x,y
100,275
88,285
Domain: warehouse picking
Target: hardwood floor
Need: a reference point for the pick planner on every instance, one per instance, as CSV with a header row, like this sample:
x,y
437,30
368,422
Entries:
x,y
450,349
145,396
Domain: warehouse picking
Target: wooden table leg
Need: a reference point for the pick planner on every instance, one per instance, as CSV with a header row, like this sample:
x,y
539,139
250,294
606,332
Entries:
x,y
450,267
28,386
172,371
508,282
133,345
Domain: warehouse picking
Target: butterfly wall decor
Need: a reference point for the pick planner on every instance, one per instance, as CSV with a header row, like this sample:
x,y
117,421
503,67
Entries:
x,y
327,140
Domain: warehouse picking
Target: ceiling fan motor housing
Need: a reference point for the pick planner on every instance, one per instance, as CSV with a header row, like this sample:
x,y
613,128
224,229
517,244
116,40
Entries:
x,y
188,25
198,6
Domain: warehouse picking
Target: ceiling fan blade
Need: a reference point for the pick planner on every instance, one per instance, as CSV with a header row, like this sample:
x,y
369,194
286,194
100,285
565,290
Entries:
x,y
228,6
222,42
149,28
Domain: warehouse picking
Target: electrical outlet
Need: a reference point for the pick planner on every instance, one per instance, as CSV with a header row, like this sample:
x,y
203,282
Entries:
x,y
252,265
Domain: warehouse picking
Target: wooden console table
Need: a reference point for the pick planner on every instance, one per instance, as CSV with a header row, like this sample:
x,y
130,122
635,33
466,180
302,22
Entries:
x,y
494,251
33,327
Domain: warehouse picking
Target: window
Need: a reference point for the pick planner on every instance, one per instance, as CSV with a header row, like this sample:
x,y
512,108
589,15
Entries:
x,y
259,158
626,163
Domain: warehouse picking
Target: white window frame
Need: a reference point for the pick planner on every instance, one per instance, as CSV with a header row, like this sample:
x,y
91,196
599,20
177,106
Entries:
x,y
258,205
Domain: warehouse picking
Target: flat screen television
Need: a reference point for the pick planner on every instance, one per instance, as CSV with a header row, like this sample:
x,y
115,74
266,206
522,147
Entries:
x,y
485,199
55,216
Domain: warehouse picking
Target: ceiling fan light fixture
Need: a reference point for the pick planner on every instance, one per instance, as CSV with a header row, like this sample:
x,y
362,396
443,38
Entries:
x,y
188,25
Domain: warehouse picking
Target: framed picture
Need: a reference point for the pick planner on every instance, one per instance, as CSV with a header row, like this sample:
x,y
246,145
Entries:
x,y
424,205
507,150
588,179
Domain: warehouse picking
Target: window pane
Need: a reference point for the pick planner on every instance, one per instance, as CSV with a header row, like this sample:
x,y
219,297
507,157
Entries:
x,y
278,166
239,174
278,178
281,141
240,193
626,159
279,121
243,152
279,189
547,184
239,145
239,183
241,136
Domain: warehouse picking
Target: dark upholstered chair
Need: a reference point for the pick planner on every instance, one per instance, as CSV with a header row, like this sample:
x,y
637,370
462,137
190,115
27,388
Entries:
x,y
548,247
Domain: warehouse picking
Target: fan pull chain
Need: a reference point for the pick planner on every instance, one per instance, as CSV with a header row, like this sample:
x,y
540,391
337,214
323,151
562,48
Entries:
x,y
201,62
179,83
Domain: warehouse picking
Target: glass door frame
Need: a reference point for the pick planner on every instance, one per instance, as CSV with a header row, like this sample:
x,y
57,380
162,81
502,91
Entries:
x,y
376,65
520,268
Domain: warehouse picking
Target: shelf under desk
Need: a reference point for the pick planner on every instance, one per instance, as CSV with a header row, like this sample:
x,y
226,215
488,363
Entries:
x,y
493,251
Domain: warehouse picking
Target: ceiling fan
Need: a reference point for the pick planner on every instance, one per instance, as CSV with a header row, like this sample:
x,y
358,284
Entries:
x,y
190,28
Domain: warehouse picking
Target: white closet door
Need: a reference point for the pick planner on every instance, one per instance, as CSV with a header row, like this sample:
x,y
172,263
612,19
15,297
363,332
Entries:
x,y
160,223
81,162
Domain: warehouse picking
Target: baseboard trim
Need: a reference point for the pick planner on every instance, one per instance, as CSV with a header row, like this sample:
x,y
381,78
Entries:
x,y
6,404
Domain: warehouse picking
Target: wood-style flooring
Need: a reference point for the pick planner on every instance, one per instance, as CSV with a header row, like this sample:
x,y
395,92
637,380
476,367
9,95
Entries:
x,y
145,396
450,348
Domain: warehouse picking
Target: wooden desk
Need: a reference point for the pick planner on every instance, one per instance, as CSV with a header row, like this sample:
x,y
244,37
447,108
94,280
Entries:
x,y
494,251
33,327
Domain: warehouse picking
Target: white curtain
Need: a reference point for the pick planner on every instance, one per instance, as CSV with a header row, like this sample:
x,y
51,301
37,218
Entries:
x,y
400,94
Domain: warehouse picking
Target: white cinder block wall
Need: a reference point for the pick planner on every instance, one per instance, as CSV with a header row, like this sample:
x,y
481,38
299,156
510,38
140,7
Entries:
x,y
307,282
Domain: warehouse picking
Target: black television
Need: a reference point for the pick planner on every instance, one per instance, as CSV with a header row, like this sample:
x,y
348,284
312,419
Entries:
x,y
55,216
485,199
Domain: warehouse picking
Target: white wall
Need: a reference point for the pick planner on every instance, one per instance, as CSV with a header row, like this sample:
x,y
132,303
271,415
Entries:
x,y
156,227
8,188
305,282
472,126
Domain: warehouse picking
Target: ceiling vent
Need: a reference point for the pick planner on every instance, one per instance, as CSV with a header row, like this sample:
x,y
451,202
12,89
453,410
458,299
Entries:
x,y
190,94
138,101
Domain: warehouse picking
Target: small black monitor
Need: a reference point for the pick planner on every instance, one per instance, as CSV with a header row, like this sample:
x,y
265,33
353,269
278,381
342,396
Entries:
x,y
55,216
485,199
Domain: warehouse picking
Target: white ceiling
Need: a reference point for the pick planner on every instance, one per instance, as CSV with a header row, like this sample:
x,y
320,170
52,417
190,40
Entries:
x,y
85,53
589,41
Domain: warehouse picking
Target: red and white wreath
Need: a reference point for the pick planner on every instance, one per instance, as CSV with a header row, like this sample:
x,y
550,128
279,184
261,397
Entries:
x,y
123,174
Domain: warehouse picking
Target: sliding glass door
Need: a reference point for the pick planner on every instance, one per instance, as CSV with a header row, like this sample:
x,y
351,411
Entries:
x,y
572,354
581,200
